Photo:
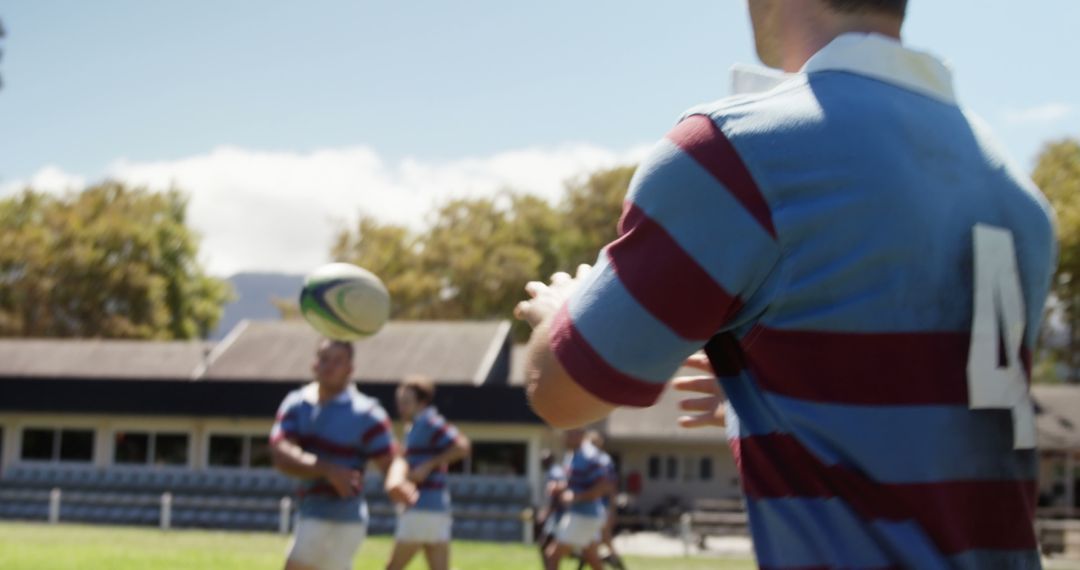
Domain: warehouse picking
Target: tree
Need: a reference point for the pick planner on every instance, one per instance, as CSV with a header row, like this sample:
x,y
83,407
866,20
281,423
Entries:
x,y
590,212
108,262
1057,173
479,258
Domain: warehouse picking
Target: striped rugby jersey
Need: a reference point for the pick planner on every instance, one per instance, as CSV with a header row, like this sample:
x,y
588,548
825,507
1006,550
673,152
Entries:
x,y
348,430
867,274
588,466
429,436
611,475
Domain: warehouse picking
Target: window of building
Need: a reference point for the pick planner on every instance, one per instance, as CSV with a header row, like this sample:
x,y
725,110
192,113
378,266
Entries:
x,y
259,451
38,444
131,448
77,445
705,469
654,467
672,467
50,444
226,451
238,451
141,448
498,458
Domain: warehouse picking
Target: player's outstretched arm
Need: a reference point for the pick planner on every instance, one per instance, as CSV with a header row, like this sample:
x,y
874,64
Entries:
x,y
553,393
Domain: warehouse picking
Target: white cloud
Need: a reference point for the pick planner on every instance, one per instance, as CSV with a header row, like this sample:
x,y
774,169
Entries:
x,y
49,179
1039,114
260,210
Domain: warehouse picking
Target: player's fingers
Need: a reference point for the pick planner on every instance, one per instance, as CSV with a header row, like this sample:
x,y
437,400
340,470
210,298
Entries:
x,y
534,288
521,310
706,404
699,361
700,421
700,384
560,278
582,271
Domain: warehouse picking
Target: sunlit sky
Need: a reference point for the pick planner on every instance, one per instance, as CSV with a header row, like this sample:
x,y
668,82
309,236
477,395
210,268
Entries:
x,y
299,115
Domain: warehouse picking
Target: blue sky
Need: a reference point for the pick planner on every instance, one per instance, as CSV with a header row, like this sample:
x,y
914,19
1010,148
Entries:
x,y
162,92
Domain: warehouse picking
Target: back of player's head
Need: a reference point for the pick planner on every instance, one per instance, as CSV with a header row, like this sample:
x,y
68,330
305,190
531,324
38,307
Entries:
x,y
893,7
423,387
595,437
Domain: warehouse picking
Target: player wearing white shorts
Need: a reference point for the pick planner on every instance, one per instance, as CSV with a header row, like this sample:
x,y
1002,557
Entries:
x,y
431,444
324,435
581,525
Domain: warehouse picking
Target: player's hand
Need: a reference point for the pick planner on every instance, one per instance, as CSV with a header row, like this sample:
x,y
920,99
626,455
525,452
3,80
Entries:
x,y
567,497
346,482
420,473
544,300
699,361
404,493
709,405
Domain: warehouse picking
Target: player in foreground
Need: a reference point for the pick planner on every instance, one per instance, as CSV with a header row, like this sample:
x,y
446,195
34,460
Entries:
x,y
324,434
431,444
580,525
866,273
607,535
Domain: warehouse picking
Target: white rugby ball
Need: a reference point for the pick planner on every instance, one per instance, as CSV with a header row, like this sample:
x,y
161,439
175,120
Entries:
x,y
344,302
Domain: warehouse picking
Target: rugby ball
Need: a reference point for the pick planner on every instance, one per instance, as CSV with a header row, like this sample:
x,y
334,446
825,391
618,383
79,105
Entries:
x,y
344,302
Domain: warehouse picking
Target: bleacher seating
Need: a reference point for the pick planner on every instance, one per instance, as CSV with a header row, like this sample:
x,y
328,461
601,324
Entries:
x,y
485,508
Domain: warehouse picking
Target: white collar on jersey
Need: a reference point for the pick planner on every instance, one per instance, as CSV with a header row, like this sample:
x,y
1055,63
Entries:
x,y
872,55
310,393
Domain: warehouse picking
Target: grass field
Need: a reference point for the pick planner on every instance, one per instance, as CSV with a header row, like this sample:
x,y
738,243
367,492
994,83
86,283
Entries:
x,y
33,546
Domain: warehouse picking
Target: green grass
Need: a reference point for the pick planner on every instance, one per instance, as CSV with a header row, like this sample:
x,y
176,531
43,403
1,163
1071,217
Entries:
x,y
33,546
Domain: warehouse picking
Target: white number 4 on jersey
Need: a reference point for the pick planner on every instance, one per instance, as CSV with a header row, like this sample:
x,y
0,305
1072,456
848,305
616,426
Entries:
x,y
999,319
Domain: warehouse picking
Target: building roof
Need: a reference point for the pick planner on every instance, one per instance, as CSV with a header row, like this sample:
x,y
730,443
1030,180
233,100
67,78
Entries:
x,y
451,352
250,371
113,359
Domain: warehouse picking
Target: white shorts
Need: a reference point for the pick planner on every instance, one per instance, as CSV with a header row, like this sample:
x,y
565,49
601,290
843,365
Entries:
x,y
423,527
579,531
326,544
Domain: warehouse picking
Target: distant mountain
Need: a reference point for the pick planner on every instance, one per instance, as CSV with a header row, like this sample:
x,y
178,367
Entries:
x,y
254,292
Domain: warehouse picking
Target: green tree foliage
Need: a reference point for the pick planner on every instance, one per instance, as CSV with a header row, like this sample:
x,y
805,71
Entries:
x,y
590,211
1057,173
108,262
476,255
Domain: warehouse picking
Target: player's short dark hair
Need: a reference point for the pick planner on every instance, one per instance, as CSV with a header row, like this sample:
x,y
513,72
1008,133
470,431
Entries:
x,y
344,345
895,7
422,387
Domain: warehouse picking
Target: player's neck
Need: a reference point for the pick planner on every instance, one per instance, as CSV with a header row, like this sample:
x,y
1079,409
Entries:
x,y
327,394
803,40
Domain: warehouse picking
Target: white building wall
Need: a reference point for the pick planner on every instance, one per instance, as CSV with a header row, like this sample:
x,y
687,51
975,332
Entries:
x,y
686,485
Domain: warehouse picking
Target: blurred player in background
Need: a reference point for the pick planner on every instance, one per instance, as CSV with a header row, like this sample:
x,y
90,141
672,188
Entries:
x,y
549,512
580,526
866,272
607,535
431,445
324,434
